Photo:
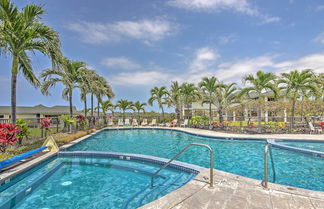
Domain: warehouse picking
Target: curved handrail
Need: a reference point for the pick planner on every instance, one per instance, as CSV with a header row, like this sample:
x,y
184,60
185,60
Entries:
x,y
267,149
211,183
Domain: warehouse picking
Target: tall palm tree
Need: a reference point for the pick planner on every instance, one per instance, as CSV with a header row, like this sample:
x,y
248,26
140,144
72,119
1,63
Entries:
x,y
139,106
190,94
259,85
22,32
208,87
175,98
67,74
107,106
298,84
160,96
124,104
86,76
226,95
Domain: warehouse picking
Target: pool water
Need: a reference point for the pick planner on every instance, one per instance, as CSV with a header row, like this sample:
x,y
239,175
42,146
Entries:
x,y
79,182
242,157
317,146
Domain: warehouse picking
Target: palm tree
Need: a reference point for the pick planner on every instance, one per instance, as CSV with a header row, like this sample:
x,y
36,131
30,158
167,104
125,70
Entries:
x,y
160,96
85,86
67,74
139,106
107,106
175,98
124,104
226,95
208,87
190,94
298,84
260,84
22,32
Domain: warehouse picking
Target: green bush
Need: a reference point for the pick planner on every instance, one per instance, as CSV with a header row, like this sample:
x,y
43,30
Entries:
x,y
22,124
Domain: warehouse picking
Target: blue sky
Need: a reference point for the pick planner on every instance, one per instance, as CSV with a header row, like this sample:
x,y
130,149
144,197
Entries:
x,y
139,44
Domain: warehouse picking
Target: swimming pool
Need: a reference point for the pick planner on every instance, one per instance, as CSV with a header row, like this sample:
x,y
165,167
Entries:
x,y
90,182
242,157
317,146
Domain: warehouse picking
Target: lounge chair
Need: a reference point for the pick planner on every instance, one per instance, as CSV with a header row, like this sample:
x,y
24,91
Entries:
x,y
110,122
153,122
144,122
134,122
127,123
313,129
173,123
120,122
185,123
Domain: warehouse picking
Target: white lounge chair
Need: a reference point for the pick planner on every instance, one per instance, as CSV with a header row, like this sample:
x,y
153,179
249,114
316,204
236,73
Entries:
x,y
134,122
185,123
110,122
153,122
144,122
127,123
120,122
313,129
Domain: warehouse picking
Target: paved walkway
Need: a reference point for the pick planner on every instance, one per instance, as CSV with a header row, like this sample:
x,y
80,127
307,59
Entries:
x,y
237,192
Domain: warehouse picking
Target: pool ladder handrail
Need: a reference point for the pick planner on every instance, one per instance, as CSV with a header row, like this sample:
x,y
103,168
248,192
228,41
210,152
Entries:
x,y
267,149
211,183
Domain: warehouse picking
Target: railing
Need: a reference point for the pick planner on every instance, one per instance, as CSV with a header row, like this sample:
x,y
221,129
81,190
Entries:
x,y
267,151
211,183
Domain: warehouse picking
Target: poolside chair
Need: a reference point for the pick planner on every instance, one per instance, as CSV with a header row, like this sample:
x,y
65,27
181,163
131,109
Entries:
x,y
185,123
110,122
120,122
127,123
313,129
144,122
153,122
173,123
134,122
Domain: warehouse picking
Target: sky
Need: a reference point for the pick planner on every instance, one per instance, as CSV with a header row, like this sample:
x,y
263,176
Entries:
x,y
139,44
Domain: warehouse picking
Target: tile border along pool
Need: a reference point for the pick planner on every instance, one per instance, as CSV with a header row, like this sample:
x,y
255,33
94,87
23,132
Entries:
x,y
230,191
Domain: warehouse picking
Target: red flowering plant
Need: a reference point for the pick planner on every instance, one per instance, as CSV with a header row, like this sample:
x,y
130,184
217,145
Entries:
x,y
321,124
46,123
7,135
81,121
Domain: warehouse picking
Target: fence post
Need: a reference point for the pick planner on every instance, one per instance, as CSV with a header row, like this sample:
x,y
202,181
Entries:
x,y
57,125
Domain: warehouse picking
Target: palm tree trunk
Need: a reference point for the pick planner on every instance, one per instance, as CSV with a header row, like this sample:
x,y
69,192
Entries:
x,y
91,104
85,107
292,119
259,117
98,112
210,113
124,116
162,113
70,101
14,72
220,115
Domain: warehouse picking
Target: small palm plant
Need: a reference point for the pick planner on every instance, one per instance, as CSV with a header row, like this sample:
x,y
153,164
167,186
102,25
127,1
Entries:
x,y
124,104
107,106
159,95
24,133
190,94
175,98
208,87
139,106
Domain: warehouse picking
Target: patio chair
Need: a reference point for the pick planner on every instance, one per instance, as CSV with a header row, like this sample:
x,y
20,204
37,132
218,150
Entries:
x,y
185,123
313,129
144,122
153,122
110,122
120,122
134,122
127,123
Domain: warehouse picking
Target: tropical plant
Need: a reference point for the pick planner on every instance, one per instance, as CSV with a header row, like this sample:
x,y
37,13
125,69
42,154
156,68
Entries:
x,y
107,106
259,85
175,98
159,95
208,87
24,132
226,95
298,84
124,104
67,73
139,106
22,32
8,134
45,124
82,121
67,121
189,94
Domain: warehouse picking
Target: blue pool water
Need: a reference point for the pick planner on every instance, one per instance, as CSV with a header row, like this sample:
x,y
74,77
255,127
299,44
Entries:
x,y
243,157
89,183
305,145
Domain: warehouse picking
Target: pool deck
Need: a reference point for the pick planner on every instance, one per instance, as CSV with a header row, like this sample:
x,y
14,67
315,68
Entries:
x,y
202,132
236,192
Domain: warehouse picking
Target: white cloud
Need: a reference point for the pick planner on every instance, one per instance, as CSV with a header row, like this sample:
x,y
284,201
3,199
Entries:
x,y
141,78
120,63
227,39
204,58
241,6
320,7
319,38
145,30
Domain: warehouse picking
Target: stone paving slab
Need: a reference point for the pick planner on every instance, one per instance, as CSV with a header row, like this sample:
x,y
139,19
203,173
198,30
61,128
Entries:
x,y
236,192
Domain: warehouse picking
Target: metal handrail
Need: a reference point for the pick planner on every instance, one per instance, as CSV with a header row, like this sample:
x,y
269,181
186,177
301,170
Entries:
x,y
211,183
265,181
